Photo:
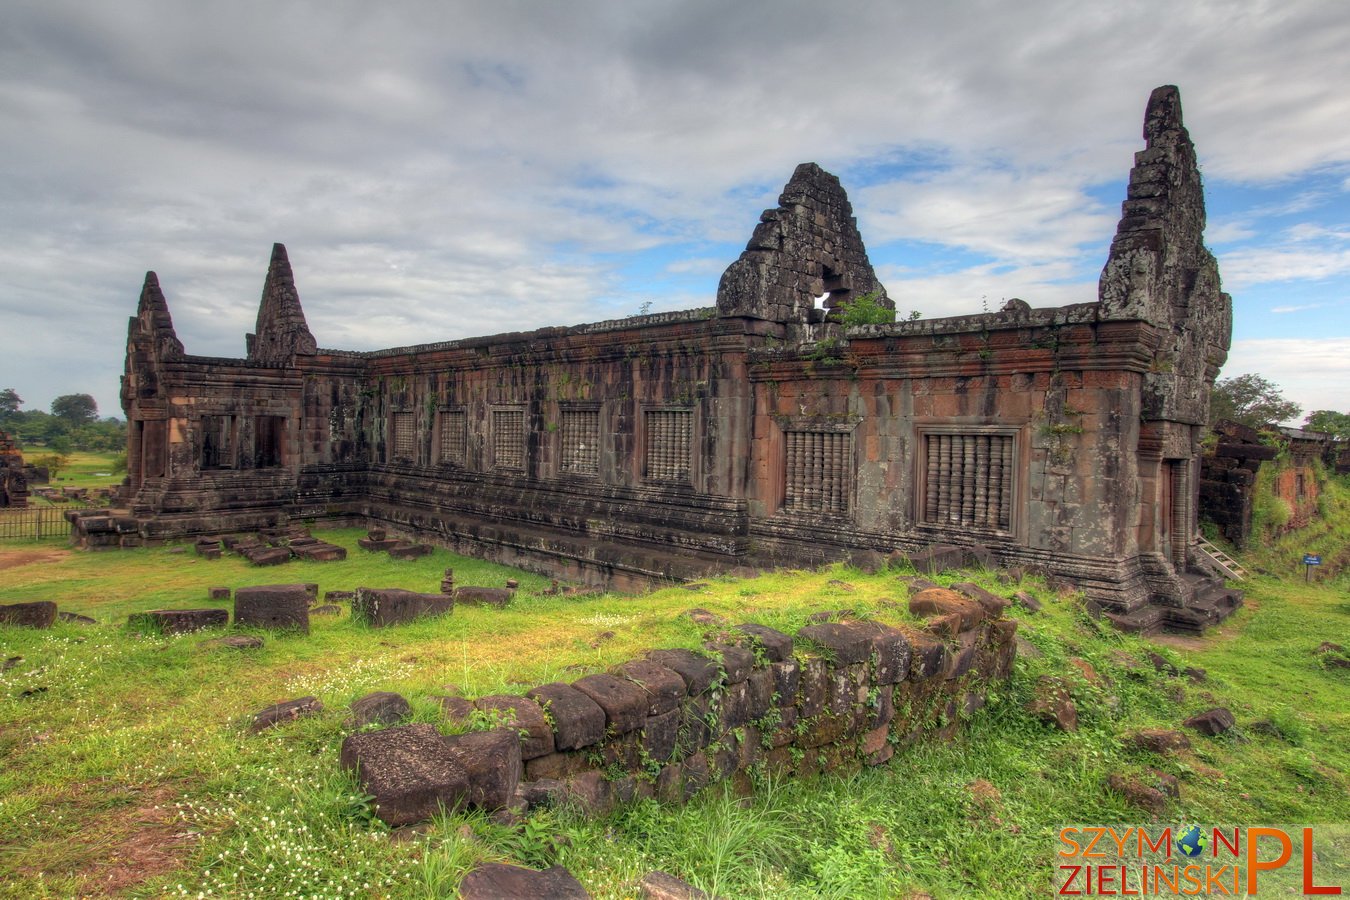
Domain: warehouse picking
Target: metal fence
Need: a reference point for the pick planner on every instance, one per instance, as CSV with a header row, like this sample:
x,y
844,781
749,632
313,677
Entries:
x,y
33,523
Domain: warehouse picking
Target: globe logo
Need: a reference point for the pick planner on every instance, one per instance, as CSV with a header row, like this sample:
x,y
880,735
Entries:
x,y
1192,842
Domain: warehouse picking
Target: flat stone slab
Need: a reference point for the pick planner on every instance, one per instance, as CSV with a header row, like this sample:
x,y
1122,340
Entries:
x,y
939,558
578,721
992,604
498,881
39,614
287,711
280,607
377,545
391,606
412,771
382,707
269,556
484,596
76,618
179,621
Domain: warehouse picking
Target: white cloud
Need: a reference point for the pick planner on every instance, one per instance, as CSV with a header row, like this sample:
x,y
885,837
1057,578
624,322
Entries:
x,y
1312,372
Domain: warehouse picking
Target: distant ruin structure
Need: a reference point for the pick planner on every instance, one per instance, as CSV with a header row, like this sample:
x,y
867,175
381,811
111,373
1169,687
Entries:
x,y
13,478
760,431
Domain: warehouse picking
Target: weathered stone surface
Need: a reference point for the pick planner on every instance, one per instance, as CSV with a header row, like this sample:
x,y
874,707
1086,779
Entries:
x,y
412,771
625,704
408,550
286,711
775,645
76,618
522,714
218,593
660,734
1028,600
992,604
179,621
484,596
390,606
498,881
844,643
578,721
1159,740
736,661
1212,721
380,707
664,687
943,602
663,886
327,609
39,614
938,558
698,670
891,652
1149,797
1052,704
280,607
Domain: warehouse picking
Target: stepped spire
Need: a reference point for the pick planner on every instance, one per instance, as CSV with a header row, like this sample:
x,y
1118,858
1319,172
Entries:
x,y
153,320
281,333
1160,271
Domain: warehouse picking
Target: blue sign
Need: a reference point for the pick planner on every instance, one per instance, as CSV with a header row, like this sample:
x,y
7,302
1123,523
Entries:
x,y
1311,560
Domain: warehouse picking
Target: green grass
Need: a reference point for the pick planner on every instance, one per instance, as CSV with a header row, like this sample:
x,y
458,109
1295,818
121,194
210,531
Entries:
x,y
134,771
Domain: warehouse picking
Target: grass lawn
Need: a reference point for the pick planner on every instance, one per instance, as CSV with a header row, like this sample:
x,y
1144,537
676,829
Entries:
x,y
126,766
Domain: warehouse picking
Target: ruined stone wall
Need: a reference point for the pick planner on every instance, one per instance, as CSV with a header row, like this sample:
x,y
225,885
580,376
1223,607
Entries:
x,y
13,479
839,696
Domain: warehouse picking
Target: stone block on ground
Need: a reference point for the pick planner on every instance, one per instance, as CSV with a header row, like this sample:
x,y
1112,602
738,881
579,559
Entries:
x,y
392,606
218,593
76,618
938,558
1212,722
413,772
1159,740
499,881
268,556
483,596
992,604
287,711
179,621
736,661
664,886
39,614
380,707
280,607
1052,704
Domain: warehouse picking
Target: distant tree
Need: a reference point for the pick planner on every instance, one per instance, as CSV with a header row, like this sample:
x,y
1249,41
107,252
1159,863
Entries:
x,y
1333,423
76,409
1251,400
52,462
10,401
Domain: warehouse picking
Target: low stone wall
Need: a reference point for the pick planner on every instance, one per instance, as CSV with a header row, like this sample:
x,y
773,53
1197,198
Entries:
x,y
837,696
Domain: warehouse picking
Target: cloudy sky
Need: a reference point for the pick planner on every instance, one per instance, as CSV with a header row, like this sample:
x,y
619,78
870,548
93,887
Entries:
x,y
446,169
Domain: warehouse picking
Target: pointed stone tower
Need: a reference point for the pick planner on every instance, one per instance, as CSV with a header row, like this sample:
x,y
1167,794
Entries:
x,y
151,340
808,247
1160,271
282,333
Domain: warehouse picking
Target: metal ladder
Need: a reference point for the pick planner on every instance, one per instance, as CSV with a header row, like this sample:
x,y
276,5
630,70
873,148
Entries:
x,y
1225,562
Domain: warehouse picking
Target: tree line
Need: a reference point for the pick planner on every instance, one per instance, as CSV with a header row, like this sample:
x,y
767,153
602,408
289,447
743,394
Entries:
x,y
1257,402
72,424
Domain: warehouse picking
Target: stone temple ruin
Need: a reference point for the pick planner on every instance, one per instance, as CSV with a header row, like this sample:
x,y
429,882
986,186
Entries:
x,y
762,431
13,477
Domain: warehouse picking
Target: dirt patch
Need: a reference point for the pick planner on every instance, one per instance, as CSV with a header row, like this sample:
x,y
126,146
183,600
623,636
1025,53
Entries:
x,y
13,559
128,845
